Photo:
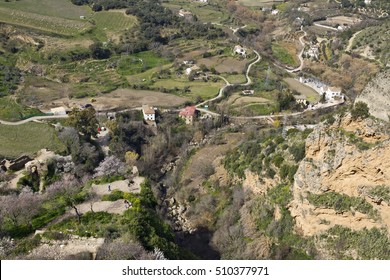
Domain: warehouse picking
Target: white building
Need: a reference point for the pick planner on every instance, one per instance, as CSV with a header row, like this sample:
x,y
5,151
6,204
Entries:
x,y
184,13
313,52
189,70
367,2
248,92
331,92
239,50
149,113
58,111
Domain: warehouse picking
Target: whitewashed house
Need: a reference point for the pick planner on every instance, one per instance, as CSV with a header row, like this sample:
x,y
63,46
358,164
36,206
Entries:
x,y
239,50
189,70
248,92
149,113
312,52
331,92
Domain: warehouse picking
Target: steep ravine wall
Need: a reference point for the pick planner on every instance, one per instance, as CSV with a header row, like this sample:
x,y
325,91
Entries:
x,y
336,162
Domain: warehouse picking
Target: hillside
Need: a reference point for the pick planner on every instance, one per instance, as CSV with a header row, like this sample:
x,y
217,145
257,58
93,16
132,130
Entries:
x,y
342,184
202,129
377,95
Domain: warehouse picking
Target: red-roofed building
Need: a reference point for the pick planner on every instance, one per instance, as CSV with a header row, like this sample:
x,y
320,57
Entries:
x,y
189,114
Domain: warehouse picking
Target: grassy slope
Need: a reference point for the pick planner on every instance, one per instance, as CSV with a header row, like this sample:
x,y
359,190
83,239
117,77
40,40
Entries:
x,y
284,55
27,138
13,111
54,8
62,17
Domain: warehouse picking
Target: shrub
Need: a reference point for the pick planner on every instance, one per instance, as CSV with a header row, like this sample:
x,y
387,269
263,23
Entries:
x,y
278,160
360,110
113,196
298,151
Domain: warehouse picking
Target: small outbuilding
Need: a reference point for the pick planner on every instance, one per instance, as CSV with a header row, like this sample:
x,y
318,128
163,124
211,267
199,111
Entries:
x,y
58,111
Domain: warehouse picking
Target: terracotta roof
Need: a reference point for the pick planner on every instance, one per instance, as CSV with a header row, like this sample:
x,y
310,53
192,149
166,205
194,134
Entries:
x,y
148,110
188,111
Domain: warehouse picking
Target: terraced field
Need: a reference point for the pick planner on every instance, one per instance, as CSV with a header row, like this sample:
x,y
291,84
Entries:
x,y
61,26
53,8
63,18
104,21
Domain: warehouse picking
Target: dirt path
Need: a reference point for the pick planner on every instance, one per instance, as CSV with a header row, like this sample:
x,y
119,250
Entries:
x,y
97,205
114,207
299,68
325,26
350,42
13,184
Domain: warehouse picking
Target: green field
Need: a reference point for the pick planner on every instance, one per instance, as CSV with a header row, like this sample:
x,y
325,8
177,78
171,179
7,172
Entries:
x,y
311,94
205,90
138,63
63,18
54,8
57,25
10,110
282,54
27,139
104,20
259,3
204,12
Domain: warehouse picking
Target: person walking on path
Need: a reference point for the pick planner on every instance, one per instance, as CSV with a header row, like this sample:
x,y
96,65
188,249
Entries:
x,y
109,187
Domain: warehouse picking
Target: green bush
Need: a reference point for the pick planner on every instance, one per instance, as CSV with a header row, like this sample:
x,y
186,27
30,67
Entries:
x,y
368,243
278,160
341,203
298,151
360,110
381,193
113,196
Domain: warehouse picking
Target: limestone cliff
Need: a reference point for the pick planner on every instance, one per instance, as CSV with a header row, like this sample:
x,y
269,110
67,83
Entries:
x,y
345,163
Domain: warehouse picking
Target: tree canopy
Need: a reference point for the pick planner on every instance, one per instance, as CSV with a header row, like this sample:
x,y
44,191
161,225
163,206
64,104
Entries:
x,y
84,121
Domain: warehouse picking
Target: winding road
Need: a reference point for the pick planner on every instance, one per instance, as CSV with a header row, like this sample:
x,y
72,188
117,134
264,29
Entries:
x,y
37,118
300,54
219,96
220,93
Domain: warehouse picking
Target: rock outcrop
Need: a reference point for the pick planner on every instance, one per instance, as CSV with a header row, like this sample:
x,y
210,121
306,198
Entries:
x,y
348,158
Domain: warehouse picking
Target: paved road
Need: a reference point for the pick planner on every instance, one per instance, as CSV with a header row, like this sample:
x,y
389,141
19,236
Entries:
x,y
38,118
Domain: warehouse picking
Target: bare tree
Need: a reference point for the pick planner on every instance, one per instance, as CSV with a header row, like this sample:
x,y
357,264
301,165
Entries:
x,y
19,209
68,188
110,166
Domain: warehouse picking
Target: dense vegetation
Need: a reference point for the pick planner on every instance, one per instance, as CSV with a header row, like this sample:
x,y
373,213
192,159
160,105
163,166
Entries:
x,y
342,203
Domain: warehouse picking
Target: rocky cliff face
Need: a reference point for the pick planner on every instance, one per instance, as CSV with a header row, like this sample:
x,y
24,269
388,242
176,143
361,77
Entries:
x,y
344,162
377,95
